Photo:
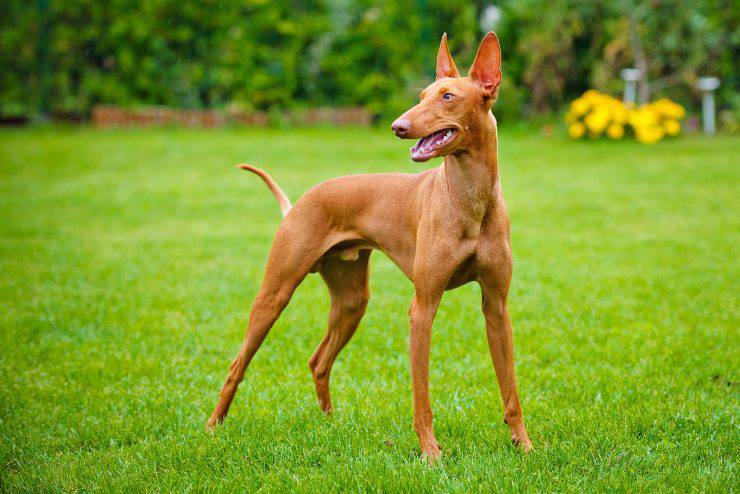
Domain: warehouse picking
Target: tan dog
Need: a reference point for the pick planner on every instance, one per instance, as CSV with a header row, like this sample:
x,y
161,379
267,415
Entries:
x,y
443,228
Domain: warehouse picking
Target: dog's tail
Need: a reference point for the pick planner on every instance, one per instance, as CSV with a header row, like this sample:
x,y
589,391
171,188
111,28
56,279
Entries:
x,y
282,199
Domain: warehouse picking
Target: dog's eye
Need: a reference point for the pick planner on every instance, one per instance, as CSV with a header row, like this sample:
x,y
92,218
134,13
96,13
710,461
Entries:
x,y
448,96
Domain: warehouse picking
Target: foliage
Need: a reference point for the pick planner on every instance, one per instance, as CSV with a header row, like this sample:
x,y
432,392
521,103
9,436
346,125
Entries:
x,y
682,41
258,54
253,53
129,260
596,114
572,45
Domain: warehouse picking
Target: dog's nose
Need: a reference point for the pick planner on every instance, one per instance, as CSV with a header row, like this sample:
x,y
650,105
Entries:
x,y
401,127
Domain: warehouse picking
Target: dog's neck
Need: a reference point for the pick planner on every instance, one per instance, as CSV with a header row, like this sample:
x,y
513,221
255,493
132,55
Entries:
x,y
472,175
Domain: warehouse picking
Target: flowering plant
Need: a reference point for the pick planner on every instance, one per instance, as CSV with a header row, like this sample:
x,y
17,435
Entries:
x,y
596,114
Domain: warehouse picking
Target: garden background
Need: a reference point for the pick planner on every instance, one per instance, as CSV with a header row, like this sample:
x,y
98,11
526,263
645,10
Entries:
x,y
129,255
61,57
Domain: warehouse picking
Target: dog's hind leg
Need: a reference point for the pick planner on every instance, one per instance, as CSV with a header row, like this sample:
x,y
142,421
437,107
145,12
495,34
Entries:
x,y
347,281
293,254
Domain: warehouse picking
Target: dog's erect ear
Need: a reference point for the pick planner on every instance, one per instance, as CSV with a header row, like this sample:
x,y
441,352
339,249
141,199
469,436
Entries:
x,y
486,69
445,64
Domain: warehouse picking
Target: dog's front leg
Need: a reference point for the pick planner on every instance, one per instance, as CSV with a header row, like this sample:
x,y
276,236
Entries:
x,y
421,314
501,345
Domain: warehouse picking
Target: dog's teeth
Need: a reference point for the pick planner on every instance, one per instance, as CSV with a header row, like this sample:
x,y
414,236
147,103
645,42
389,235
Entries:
x,y
448,134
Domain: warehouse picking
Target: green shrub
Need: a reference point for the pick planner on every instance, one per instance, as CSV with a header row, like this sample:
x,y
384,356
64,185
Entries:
x,y
261,54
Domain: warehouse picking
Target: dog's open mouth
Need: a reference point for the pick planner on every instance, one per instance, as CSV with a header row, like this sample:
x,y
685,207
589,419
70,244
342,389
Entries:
x,y
428,146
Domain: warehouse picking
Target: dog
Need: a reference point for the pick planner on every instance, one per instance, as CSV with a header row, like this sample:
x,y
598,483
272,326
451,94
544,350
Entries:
x,y
444,227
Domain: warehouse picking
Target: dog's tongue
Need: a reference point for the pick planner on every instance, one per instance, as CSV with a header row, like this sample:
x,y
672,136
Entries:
x,y
427,143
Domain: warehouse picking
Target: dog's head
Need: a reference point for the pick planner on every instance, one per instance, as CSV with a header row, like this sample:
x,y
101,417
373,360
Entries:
x,y
453,108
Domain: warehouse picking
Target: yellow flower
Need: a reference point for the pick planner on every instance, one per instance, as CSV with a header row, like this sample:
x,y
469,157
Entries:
x,y
669,109
576,130
591,95
649,135
596,113
597,120
642,117
679,111
615,131
579,106
672,127
619,113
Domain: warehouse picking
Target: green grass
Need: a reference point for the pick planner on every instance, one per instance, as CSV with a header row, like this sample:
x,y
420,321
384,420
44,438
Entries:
x,y
129,259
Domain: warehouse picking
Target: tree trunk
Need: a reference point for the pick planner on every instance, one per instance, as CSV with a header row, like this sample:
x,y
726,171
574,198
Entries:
x,y
638,53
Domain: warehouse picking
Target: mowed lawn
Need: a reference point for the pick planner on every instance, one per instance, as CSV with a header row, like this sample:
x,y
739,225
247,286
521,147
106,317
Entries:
x,y
129,259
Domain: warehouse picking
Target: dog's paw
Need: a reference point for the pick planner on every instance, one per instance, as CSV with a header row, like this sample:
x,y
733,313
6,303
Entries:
x,y
525,446
431,453
520,439
212,424
432,457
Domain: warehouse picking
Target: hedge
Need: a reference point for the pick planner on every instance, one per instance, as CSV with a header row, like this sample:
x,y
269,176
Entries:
x,y
64,56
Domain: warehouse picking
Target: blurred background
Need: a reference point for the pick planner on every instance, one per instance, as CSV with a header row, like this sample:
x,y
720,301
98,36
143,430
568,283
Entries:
x,y
262,61
130,253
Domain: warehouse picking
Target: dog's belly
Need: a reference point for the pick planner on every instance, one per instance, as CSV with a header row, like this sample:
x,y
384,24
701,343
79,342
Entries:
x,y
465,273
350,250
